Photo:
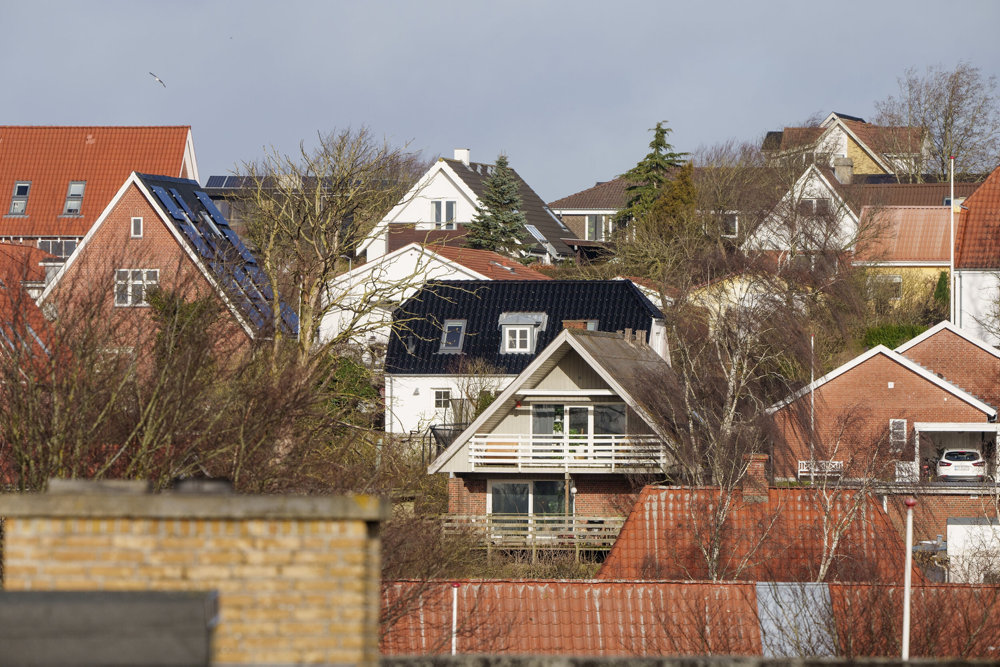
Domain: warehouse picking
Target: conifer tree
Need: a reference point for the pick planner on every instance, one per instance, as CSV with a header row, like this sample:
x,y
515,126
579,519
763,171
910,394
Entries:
x,y
650,176
499,222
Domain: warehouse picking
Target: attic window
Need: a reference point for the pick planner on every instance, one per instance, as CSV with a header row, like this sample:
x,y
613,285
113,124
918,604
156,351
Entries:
x,y
137,228
444,213
19,200
74,197
452,336
520,331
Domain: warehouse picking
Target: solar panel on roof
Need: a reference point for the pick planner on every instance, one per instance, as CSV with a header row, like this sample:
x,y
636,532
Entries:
x,y
169,202
210,206
238,244
216,182
193,236
234,181
184,204
534,232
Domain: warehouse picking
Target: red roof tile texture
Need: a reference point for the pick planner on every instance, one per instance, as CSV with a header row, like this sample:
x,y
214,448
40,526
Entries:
x,y
489,264
907,234
656,618
51,157
777,537
977,241
607,195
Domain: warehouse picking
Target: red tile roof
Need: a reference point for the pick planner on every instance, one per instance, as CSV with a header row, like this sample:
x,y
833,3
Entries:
x,y
977,241
887,140
859,195
906,234
656,618
777,538
22,263
592,618
51,157
489,264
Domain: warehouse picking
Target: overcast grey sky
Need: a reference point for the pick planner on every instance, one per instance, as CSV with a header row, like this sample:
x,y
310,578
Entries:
x,y
568,90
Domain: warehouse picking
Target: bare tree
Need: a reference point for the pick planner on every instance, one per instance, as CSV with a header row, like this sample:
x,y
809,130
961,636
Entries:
x,y
307,214
960,112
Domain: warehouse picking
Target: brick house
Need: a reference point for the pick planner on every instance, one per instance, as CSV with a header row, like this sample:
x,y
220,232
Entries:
x,y
879,415
553,460
162,232
61,179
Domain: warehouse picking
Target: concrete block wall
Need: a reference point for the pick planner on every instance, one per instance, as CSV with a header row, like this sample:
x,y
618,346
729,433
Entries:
x,y
297,577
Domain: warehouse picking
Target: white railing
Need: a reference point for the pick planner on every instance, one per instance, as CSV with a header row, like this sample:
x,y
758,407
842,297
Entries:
x,y
554,532
572,452
813,469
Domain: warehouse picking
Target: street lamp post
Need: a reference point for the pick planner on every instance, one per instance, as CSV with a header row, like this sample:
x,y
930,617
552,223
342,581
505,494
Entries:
x,y
907,576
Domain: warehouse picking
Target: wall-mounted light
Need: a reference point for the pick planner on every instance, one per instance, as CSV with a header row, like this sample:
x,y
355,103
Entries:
x,y
416,392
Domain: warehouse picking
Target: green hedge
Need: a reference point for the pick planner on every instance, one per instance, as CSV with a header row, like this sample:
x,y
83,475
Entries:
x,y
892,335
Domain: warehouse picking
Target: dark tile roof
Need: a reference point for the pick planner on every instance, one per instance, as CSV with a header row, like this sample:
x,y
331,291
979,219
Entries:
x,y
103,157
535,211
977,238
232,265
604,195
880,193
616,305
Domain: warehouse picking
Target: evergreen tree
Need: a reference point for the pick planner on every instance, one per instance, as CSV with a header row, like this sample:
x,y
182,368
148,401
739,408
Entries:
x,y
650,176
499,222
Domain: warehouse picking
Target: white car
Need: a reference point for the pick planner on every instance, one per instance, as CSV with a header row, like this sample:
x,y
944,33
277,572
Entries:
x,y
961,464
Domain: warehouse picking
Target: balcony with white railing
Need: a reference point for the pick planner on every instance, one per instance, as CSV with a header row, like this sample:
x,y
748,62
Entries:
x,y
516,531
581,453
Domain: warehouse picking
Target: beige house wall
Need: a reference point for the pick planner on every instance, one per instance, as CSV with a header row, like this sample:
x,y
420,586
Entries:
x,y
863,164
297,577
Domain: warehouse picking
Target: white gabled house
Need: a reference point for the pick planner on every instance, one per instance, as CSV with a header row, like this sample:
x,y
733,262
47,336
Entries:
x,y
553,458
447,197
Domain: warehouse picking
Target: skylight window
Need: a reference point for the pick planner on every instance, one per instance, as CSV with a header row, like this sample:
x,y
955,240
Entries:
x,y
19,200
452,336
74,197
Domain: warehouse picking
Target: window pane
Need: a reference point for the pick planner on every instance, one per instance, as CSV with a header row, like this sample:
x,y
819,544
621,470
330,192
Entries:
x,y
543,419
436,207
121,294
136,293
137,275
75,190
609,419
21,189
510,498
68,248
549,497
121,275
578,418
17,206
450,211
453,336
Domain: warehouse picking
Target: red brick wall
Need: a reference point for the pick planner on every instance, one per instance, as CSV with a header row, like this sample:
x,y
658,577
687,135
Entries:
x,y
931,513
88,284
966,365
853,412
466,496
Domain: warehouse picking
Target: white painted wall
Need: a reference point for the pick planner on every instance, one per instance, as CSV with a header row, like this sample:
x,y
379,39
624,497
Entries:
x,y
409,399
777,234
390,280
977,297
973,549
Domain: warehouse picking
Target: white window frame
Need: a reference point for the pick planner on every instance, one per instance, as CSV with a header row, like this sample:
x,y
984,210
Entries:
x,y
518,339
46,244
725,226
439,213
16,199
452,349
74,198
879,282
530,481
129,280
442,399
136,225
897,441
600,226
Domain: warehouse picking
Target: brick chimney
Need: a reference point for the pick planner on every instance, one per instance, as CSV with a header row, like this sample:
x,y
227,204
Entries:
x,y
843,169
755,483
463,155
574,324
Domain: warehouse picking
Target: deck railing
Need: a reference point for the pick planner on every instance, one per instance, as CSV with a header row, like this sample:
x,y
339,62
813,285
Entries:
x,y
565,452
516,531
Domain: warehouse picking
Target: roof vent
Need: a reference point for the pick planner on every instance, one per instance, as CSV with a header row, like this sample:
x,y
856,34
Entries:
x,y
463,155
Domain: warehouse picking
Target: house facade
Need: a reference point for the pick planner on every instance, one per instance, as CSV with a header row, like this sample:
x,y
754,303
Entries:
x,y
163,232
976,288
447,197
554,458
60,179
884,415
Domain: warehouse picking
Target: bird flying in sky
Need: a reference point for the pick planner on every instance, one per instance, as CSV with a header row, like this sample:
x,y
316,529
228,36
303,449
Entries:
x,y
158,79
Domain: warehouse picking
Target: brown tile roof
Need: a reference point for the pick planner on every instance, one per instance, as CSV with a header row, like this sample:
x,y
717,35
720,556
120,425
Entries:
x,y
859,195
535,211
655,618
104,157
403,234
977,241
489,264
887,140
906,234
607,195
777,538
